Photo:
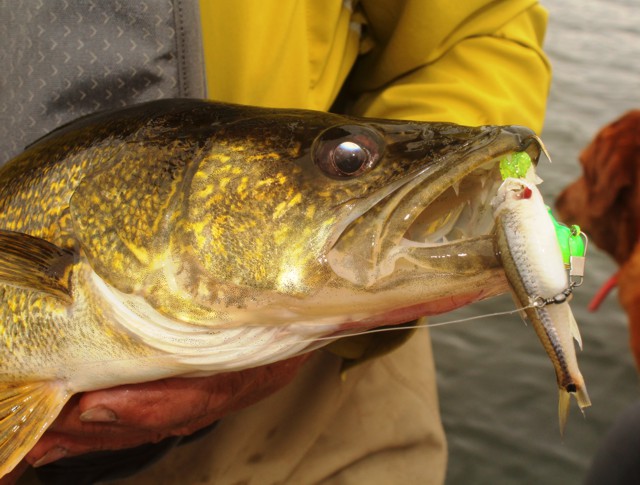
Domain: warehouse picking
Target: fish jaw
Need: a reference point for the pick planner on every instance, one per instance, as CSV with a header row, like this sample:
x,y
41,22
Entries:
x,y
533,265
174,347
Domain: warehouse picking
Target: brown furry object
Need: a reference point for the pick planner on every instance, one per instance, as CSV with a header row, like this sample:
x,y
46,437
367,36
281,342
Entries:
x,y
605,202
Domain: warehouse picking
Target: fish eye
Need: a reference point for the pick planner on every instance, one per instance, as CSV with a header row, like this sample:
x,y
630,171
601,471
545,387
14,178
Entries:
x,y
347,151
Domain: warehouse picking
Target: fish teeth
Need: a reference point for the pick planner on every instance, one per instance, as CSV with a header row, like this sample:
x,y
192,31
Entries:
x,y
456,188
489,165
485,196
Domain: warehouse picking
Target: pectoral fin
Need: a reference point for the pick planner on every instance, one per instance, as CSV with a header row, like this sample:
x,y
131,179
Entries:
x,y
32,263
575,331
26,411
519,306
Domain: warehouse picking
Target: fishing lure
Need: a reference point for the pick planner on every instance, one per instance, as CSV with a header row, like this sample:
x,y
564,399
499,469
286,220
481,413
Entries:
x,y
527,243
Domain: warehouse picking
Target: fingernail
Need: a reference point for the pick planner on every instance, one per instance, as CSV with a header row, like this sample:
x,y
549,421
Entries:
x,y
99,415
54,454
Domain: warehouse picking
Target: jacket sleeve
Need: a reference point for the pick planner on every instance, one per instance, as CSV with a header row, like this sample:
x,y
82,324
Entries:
x,y
474,62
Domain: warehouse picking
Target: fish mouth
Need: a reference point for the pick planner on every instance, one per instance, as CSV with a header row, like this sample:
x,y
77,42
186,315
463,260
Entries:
x,y
436,221
461,212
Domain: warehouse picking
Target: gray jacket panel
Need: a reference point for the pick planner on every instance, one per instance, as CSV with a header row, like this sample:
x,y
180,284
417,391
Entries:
x,y
62,59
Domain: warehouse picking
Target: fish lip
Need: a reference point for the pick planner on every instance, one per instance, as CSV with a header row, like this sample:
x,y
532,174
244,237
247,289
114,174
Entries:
x,y
405,202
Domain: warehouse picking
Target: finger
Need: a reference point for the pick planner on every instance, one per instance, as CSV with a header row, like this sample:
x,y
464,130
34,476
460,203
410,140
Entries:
x,y
54,446
155,405
160,405
69,421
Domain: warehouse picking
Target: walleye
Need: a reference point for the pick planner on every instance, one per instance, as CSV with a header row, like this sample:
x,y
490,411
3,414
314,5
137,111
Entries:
x,y
527,244
184,237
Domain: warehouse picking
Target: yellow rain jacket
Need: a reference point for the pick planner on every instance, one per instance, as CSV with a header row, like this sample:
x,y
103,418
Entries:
x,y
469,62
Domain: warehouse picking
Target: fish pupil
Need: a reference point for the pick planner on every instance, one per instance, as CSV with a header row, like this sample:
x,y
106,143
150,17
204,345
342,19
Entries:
x,y
571,388
349,157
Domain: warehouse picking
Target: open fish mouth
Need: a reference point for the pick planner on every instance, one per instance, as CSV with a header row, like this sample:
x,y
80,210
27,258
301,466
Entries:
x,y
461,212
438,213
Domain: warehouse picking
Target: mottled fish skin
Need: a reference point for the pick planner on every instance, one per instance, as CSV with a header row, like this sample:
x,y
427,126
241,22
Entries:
x,y
527,244
182,237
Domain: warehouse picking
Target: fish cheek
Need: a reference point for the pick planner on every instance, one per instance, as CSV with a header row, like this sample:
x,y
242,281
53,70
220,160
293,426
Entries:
x,y
259,223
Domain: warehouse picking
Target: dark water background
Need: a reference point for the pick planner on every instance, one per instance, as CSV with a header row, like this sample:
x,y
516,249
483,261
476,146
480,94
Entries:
x,y
497,386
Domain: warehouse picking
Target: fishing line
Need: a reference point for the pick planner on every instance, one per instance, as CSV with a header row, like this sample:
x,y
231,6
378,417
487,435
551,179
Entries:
x,y
478,317
418,326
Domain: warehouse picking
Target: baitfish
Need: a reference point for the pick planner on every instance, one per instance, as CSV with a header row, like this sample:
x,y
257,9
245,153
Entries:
x,y
184,237
533,262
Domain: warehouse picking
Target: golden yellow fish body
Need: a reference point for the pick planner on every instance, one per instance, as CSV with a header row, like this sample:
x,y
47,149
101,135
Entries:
x,y
183,237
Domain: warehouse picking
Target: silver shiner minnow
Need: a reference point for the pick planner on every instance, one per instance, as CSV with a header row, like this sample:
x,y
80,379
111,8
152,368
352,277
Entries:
x,y
533,262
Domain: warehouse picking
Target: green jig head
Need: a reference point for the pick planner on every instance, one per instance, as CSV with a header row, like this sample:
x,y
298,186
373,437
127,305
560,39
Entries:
x,y
515,165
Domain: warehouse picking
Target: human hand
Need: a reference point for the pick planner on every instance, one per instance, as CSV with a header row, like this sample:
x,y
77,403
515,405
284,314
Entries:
x,y
131,415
